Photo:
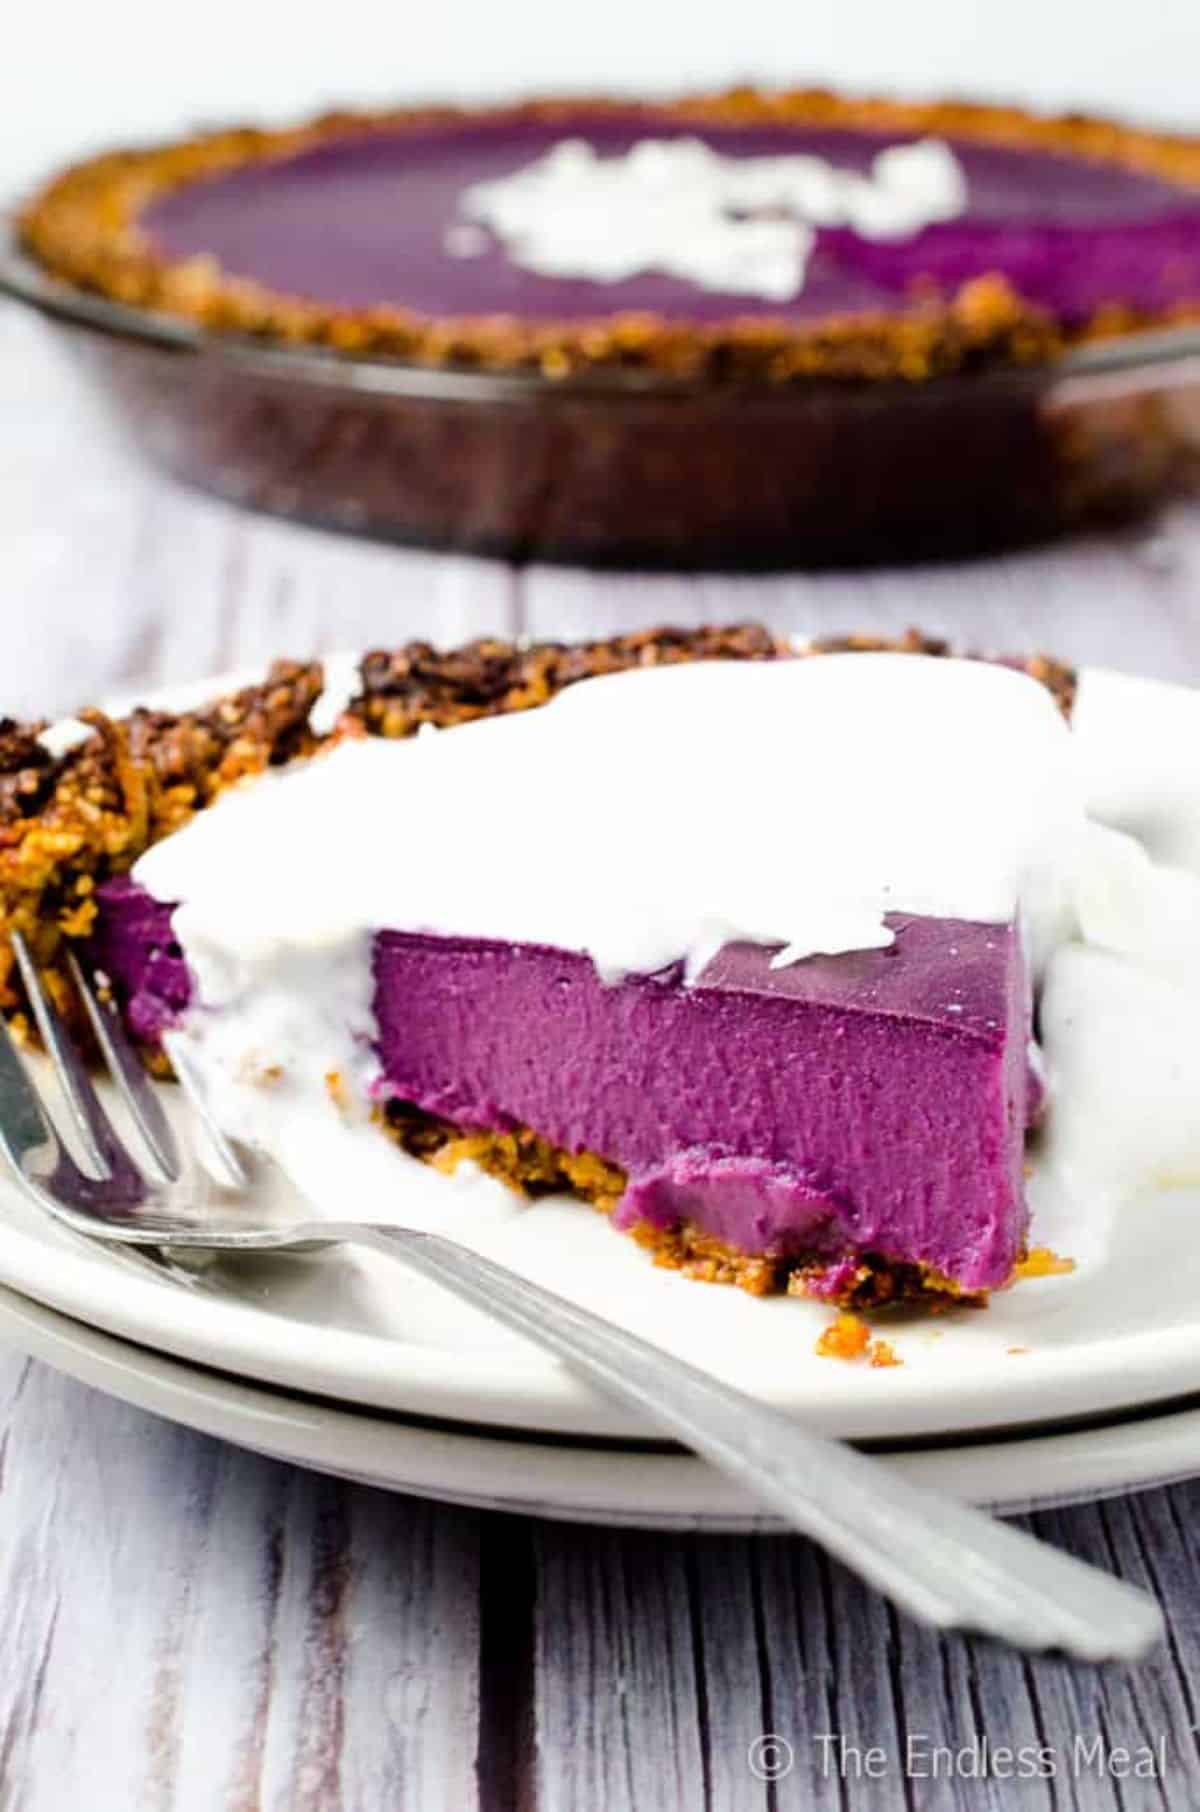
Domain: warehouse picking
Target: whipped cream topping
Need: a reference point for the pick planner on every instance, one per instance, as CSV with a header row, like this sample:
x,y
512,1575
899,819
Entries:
x,y
1138,750
648,818
739,225
790,802
1120,1008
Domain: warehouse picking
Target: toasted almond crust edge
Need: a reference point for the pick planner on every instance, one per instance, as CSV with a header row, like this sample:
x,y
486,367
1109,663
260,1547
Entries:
x,y
72,820
83,227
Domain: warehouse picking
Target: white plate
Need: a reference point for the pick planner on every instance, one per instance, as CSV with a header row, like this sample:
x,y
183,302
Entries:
x,y
1123,1330
577,1482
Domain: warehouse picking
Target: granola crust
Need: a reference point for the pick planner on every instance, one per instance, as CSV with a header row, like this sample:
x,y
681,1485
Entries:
x,y
71,820
532,1166
84,227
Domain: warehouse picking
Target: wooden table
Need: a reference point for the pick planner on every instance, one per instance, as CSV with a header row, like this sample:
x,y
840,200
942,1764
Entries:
x,y
185,1626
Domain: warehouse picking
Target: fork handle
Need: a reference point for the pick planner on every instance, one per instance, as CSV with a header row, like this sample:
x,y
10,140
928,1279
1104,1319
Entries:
x,y
942,1561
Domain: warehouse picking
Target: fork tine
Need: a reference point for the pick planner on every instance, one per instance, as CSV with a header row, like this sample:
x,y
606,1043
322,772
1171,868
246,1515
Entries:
x,y
24,1126
225,1159
91,1123
129,1074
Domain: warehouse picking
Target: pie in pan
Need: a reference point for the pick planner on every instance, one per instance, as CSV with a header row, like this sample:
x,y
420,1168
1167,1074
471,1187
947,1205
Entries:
x,y
725,236
728,331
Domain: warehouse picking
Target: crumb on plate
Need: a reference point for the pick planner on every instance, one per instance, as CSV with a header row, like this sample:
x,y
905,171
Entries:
x,y
1040,1261
848,1337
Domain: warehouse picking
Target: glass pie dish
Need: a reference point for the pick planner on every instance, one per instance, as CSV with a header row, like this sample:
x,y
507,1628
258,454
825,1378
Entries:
x,y
642,469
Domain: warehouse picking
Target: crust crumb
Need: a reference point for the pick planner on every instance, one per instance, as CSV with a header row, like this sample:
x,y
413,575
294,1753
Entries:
x,y
846,1337
1040,1261
849,1337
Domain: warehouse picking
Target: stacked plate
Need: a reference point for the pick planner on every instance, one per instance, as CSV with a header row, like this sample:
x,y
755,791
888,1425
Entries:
x,y
1068,1386
1065,1387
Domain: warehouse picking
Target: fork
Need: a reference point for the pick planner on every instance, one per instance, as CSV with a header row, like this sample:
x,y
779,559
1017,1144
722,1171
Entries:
x,y
942,1561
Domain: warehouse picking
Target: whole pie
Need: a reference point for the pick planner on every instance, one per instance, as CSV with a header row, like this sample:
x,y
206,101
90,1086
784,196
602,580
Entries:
x,y
745,234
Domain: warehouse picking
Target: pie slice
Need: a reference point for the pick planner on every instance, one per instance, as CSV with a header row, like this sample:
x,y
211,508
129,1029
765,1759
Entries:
x,y
850,1124
853,1124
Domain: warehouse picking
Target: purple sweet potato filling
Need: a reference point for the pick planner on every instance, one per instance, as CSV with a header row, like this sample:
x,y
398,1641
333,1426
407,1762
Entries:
x,y
870,1102
134,946
362,221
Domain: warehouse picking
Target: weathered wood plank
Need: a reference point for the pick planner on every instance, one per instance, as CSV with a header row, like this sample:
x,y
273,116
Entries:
x,y
617,1711
193,1628
865,1708
1121,600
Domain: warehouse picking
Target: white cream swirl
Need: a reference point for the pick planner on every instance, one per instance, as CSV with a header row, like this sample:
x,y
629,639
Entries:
x,y
737,225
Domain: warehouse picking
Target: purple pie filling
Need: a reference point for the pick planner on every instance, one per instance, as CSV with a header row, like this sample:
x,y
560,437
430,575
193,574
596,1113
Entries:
x,y
871,1102
133,945
361,222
